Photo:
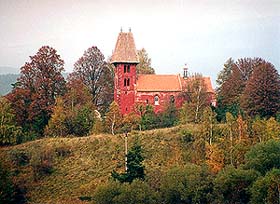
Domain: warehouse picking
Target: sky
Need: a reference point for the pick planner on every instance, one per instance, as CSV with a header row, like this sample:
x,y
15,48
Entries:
x,y
202,34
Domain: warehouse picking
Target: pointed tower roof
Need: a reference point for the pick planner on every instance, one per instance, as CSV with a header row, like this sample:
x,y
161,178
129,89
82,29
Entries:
x,y
125,50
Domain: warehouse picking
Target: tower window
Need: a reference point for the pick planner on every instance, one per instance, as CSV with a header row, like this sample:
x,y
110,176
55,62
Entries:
x,y
127,82
124,68
156,100
128,69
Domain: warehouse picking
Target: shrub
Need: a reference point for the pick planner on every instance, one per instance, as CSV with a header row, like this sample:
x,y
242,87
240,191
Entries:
x,y
7,189
42,163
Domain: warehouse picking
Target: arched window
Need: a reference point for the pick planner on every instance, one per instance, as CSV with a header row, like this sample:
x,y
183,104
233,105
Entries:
x,y
124,69
124,82
172,99
128,69
156,100
127,82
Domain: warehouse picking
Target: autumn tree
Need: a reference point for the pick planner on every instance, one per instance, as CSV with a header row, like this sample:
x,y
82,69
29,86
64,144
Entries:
x,y
233,85
94,72
197,99
144,66
39,84
262,93
113,118
9,132
56,126
74,113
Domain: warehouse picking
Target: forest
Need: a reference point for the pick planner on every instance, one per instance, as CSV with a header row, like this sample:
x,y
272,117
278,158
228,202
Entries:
x,y
199,153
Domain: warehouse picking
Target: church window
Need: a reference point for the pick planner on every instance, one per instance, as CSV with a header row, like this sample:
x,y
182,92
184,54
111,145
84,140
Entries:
x,y
147,101
156,100
127,82
172,99
128,69
124,69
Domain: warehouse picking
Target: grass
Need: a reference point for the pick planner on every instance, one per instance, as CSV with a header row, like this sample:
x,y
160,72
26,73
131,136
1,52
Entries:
x,y
80,164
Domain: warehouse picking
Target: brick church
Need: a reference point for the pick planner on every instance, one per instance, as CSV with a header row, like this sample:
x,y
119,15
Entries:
x,y
156,90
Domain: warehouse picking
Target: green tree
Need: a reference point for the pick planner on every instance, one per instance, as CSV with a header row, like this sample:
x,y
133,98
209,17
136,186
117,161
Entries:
x,y
263,156
10,133
188,184
135,167
266,189
130,193
231,185
225,73
262,93
144,66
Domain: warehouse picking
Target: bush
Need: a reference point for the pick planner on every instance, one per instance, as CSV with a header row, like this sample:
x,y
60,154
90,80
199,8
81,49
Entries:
x,y
7,189
231,185
20,157
187,136
42,164
116,193
189,184
263,156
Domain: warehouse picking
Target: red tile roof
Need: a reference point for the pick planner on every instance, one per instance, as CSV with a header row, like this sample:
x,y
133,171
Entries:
x,y
152,82
125,50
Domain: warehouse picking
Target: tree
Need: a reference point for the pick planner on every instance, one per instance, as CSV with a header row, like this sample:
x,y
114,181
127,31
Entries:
x,y
231,185
56,126
197,99
232,88
225,73
263,156
144,66
9,131
94,72
131,122
135,168
116,193
39,84
266,189
74,113
262,93
113,118
188,184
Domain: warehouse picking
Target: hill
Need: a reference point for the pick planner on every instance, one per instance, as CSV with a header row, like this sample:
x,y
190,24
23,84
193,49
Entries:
x,y
9,70
72,168
6,81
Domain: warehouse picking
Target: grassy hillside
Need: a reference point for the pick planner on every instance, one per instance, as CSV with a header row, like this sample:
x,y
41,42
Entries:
x,y
79,165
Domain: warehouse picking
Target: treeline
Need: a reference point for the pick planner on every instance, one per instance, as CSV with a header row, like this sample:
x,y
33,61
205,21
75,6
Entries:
x,y
256,181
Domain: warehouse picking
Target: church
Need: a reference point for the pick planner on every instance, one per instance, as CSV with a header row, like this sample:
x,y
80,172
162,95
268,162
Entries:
x,y
131,89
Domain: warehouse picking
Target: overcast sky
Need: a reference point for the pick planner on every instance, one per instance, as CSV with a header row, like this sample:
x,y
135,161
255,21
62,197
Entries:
x,y
200,33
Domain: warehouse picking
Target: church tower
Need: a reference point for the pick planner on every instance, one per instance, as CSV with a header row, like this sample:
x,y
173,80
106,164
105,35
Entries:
x,y
125,59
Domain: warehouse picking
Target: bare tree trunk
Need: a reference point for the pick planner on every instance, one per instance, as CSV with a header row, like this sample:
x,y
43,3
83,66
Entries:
x,y
197,104
113,124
